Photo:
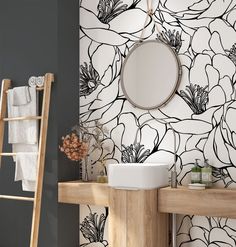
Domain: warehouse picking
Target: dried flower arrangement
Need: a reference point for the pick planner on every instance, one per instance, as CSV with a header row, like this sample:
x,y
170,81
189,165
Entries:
x,y
84,138
74,148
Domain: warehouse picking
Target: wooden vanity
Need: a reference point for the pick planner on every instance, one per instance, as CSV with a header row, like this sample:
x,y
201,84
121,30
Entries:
x,y
138,217
209,202
133,216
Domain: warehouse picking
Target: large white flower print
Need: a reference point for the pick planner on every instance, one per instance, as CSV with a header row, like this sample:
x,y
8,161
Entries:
x,y
192,14
209,78
110,22
103,33
100,85
214,232
92,227
221,142
202,112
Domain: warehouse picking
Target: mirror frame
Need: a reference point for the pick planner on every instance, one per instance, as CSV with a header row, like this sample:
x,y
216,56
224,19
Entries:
x,y
178,79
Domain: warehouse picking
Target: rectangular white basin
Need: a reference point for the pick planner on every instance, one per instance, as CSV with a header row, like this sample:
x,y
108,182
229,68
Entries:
x,y
136,176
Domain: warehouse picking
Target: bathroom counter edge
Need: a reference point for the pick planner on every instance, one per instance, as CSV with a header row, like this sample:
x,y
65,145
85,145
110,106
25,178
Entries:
x,y
218,202
78,192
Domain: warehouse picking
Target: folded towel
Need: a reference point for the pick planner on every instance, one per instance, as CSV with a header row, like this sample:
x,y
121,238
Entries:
x,y
40,81
21,96
32,81
36,81
26,170
28,185
24,148
25,131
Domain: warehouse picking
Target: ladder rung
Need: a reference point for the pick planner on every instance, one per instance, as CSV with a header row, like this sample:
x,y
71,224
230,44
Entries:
x,y
22,118
7,154
45,104
19,198
37,88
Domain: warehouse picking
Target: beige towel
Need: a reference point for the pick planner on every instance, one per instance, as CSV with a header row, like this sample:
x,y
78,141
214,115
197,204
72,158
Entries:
x,y
26,170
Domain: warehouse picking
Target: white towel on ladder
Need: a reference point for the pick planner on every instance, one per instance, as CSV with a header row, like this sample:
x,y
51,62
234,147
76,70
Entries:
x,y
23,131
16,148
26,170
23,134
21,96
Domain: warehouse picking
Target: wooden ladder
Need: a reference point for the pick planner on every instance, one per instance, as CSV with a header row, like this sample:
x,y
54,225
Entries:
x,y
6,84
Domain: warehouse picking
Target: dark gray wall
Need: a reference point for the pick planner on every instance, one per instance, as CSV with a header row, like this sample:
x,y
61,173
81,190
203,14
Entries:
x,y
35,40
67,106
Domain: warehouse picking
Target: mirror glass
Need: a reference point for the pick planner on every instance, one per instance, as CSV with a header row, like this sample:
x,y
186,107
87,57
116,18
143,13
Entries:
x,y
150,74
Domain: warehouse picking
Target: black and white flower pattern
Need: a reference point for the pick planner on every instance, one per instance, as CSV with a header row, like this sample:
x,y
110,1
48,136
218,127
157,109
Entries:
x,y
92,227
202,112
206,232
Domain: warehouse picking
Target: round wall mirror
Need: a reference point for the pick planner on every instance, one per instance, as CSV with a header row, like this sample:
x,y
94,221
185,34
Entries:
x,y
150,74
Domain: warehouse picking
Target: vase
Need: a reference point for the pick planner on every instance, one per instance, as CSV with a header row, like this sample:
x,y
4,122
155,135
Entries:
x,y
86,170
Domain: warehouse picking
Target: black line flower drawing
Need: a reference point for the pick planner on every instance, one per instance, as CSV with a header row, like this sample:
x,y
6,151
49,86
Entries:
x,y
89,79
171,38
92,229
135,153
202,113
191,15
222,175
206,232
196,97
232,53
153,140
109,9
221,143
110,23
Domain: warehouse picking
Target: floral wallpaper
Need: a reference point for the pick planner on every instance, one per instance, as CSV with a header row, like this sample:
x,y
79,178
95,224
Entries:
x,y
202,112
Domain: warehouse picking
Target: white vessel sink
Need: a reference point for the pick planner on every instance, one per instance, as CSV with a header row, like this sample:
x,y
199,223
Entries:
x,y
137,175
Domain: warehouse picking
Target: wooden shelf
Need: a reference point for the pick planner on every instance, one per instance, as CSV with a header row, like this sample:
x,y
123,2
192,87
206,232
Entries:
x,y
209,202
78,192
140,216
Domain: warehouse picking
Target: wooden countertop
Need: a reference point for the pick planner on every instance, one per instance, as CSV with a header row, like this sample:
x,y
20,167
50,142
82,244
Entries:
x,y
78,192
209,202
